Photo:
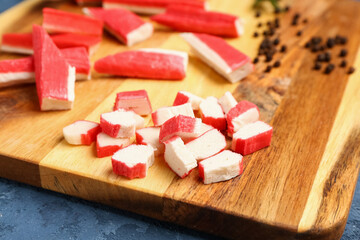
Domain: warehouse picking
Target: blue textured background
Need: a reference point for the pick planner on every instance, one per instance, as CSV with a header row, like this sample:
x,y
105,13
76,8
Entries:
x,y
31,213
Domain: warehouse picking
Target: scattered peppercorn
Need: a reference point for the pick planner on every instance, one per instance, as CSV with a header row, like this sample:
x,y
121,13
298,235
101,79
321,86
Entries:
x,y
330,42
277,10
256,60
316,40
287,8
283,48
268,69
258,14
327,57
277,64
256,34
321,57
351,70
299,33
329,68
269,57
343,53
268,23
343,63
307,45
317,66
305,20
276,41
259,24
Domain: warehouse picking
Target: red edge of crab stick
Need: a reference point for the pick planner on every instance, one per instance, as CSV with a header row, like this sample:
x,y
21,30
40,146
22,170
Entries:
x,y
221,167
150,136
17,71
145,63
118,124
17,43
219,55
67,40
152,7
186,97
187,128
133,161
252,137
107,146
212,113
137,101
178,157
161,115
57,21
81,132
55,78
126,26
243,113
78,58
208,144
187,19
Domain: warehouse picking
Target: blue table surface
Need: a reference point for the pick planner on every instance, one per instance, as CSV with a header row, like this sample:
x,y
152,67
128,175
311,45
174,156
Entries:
x,y
28,212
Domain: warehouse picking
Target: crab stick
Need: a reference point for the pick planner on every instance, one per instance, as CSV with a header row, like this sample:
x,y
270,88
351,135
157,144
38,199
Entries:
x,y
161,115
137,101
212,113
69,40
118,124
150,136
78,58
81,132
16,71
186,97
107,146
227,102
17,43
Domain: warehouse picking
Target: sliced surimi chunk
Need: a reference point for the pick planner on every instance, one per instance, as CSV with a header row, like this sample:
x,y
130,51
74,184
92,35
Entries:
x,y
69,40
145,63
16,71
57,21
107,146
150,136
221,167
137,101
133,161
212,113
227,102
139,121
243,113
178,157
118,124
219,55
78,58
187,19
17,43
81,132
208,144
186,97
152,7
252,137
126,26
187,128
165,113
55,78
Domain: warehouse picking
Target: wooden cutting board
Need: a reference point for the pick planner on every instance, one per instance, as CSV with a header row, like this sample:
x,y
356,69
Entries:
x,y
300,187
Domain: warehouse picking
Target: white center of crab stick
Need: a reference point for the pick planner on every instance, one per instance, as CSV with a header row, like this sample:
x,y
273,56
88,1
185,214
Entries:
x,y
227,102
118,124
208,144
161,115
107,146
14,49
75,132
178,157
150,136
252,130
7,79
212,113
140,34
221,167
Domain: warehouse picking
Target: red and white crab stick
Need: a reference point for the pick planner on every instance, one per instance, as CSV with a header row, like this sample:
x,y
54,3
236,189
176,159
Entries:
x,y
187,97
152,7
150,136
161,115
137,101
219,55
17,43
212,113
16,71
126,26
107,146
81,132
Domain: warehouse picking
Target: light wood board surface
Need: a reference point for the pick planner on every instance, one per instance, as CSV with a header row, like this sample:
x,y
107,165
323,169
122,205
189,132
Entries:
x,y
301,186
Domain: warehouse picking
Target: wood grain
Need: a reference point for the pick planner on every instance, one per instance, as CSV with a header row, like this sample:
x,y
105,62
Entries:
x,y
300,187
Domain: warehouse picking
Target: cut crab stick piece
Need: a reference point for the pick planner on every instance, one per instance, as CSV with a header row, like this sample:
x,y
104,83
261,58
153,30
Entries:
x,y
55,78
78,58
126,26
139,121
160,116
16,71
186,97
252,137
187,19
133,161
145,63
187,128
107,146
227,102
152,7
17,43
150,136
221,167
137,101
212,113
219,55
81,132
69,40
242,114
178,157
88,2
208,144
118,124
57,21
